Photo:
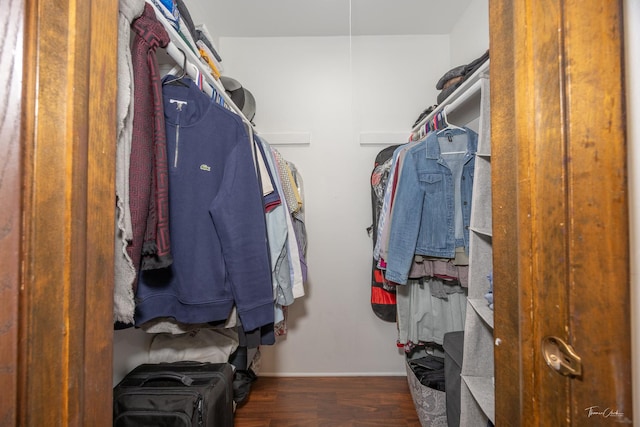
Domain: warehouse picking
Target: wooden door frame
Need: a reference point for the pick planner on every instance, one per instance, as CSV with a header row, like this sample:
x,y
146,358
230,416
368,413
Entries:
x,y
56,272
560,209
10,231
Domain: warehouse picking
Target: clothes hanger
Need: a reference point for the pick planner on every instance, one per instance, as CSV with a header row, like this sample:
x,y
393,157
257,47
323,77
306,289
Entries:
x,y
445,122
446,131
178,79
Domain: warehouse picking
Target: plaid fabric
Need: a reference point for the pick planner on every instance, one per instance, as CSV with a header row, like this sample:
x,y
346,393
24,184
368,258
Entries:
x,y
148,171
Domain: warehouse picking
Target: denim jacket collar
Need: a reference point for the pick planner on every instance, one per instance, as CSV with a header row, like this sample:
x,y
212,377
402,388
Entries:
x,y
433,147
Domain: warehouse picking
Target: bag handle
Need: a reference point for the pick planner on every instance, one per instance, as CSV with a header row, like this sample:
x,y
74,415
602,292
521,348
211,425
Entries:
x,y
165,375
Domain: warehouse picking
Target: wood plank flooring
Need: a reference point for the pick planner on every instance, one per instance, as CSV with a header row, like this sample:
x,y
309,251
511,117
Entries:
x,y
328,402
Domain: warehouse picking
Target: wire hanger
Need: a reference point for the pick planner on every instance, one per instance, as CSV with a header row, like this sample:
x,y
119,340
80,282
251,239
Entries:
x,y
179,78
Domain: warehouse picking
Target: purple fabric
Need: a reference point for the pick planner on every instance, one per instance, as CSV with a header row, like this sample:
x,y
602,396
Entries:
x,y
148,174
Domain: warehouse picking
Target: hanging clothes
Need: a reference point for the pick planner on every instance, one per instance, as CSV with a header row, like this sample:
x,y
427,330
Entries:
x,y
201,234
423,318
124,270
384,221
421,239
286,259
217,219
298,218
150,246
278,234
439,222
383,293
293,203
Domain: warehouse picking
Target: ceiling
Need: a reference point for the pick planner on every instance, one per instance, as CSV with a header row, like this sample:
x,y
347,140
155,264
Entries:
x,y
298,18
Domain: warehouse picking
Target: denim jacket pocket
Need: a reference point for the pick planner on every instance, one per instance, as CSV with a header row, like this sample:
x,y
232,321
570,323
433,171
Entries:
x,y
431,182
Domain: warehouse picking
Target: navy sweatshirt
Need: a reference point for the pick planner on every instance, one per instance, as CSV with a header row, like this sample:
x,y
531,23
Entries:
x,y
217,224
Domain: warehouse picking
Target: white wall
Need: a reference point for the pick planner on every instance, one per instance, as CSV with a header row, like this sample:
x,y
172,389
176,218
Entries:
x,y
335,88
632,47
470,35
130,349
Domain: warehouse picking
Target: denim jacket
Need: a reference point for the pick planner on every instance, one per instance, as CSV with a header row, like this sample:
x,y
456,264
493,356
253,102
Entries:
x,y
424,209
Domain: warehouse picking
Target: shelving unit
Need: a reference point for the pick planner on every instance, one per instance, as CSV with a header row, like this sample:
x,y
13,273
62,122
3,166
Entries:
x,y
470,105
478,390
181,53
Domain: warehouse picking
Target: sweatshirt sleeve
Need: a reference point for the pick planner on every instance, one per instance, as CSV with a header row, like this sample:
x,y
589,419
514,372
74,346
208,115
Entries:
x,y
238,216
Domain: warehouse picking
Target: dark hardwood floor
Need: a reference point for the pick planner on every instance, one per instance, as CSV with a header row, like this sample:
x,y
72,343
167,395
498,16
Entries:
x,y
328,402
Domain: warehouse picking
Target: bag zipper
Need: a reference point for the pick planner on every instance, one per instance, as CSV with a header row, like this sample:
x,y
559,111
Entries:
x,y
198,409
160,414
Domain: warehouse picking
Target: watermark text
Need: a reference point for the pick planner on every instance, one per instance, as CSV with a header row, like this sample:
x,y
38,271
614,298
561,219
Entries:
x,y
596,411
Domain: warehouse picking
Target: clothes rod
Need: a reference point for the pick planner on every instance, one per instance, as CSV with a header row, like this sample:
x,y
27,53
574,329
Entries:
x,y
178,55
180,58
473,89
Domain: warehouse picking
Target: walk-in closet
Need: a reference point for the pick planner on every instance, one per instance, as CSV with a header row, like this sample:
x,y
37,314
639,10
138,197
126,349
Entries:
x,y
329,101
437,192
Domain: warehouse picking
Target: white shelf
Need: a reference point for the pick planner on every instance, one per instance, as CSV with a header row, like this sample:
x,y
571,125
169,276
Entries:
x,y
484,126
183,54
483,391
481,306
484,231
481,204
467,90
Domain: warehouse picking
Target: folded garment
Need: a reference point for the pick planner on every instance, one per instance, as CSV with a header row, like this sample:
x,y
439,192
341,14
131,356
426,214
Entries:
x,y
452,73
186,17
207,56
203,345
453,81
471,67
201,35
424,114
169,325
453,78
170,11
444,94
429,370
169,4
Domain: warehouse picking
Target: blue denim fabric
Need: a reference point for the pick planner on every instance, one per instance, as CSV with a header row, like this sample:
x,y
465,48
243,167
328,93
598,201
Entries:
x,y
424,208
386,203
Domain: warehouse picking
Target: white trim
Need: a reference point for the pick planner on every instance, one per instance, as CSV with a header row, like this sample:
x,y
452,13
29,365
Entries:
x,y
286,138
631,13
383,138
332,374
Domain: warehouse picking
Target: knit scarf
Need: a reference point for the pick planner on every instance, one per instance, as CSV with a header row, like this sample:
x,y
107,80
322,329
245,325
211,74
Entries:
x,y
148,170
124,271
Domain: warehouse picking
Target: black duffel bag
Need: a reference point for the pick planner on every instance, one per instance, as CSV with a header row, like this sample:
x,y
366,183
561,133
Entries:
x,y
174,395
